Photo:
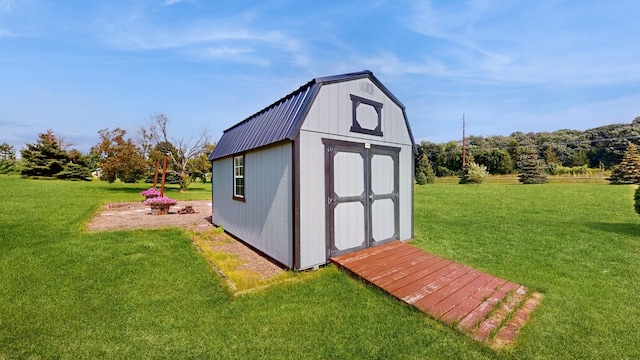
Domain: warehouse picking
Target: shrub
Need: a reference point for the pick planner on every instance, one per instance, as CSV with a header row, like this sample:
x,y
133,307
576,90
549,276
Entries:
x,y
420,178
473,174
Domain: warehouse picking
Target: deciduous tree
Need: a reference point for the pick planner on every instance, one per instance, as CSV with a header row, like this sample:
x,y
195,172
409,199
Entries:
x,y
120,157
200,167
182,152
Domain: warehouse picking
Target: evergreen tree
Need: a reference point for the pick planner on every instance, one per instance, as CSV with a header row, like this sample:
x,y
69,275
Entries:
x,y
531,170
628,171
45,158
505,165
170,178
7,158
424,172
430,174
550,156
420,178
73,171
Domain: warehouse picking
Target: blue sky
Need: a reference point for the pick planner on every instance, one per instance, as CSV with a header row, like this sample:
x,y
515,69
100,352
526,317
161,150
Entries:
x,y
80,66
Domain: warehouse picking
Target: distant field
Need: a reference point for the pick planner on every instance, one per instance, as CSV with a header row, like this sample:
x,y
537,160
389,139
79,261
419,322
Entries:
x,y
65,293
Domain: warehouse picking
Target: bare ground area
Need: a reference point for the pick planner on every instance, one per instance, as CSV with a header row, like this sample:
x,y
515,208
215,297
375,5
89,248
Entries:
x,y
135,215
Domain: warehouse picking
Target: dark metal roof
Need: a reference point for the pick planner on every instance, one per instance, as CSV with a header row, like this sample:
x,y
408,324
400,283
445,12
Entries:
x,y
283,119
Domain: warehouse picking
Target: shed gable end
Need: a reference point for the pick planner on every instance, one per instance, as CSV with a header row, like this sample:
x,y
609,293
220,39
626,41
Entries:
x,y
283,119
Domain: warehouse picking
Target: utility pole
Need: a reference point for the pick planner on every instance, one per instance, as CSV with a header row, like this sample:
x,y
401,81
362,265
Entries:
x,y
464,143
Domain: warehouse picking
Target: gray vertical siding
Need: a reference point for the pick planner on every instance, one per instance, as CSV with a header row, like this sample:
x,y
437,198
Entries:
x,y
320,109
311,198
264,219
331,113
330,117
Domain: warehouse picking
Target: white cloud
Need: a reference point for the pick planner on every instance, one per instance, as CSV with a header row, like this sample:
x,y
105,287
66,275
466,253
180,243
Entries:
x,y
171,2
535,43
207,38
228,51
390,64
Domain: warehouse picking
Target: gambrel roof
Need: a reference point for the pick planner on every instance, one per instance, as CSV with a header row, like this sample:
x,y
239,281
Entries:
x,y
283,119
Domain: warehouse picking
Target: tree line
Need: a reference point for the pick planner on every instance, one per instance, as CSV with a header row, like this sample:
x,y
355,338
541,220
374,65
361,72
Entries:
x,y
562,151
116,157
120,157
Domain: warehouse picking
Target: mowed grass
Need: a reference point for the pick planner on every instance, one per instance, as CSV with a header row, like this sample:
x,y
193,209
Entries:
x,y
579,244
66,293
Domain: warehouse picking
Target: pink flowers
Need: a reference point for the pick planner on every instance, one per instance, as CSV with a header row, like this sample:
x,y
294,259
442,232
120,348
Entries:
x,y
156,201
160,200
150,193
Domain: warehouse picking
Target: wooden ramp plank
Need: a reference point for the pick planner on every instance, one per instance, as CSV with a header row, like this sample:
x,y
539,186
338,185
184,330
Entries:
x,y
477,303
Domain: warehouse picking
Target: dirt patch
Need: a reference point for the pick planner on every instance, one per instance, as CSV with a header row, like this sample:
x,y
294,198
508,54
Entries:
x,y
251,261
136,215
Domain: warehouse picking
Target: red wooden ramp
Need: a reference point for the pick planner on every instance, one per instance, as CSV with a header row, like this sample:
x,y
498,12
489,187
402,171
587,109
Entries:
x,y
489,309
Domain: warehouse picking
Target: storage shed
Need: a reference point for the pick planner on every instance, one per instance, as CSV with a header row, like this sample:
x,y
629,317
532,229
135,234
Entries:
x,y
324,171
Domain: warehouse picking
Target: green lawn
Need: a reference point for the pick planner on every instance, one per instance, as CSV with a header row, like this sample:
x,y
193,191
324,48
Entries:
x,y
65,293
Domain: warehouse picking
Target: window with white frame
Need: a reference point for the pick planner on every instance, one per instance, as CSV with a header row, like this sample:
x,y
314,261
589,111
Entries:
x,y
238,177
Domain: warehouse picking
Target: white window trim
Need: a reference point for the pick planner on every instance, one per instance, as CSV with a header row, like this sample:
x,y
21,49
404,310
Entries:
x,y
237,176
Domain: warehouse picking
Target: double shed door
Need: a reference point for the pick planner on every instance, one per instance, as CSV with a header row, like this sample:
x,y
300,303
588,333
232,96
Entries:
x,y
361,188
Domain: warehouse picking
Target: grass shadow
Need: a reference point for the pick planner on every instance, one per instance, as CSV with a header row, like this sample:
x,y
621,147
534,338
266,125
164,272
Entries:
x,y
136,188
628,229
124,190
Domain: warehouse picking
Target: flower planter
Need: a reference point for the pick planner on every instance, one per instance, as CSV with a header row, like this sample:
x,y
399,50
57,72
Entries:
x,y
160,209
160,205
150,193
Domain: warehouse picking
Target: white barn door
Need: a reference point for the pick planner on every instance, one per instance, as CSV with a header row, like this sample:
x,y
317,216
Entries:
x,y
361,188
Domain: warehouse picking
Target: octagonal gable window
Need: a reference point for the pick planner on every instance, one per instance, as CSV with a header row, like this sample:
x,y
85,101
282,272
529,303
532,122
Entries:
x,y
367,116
